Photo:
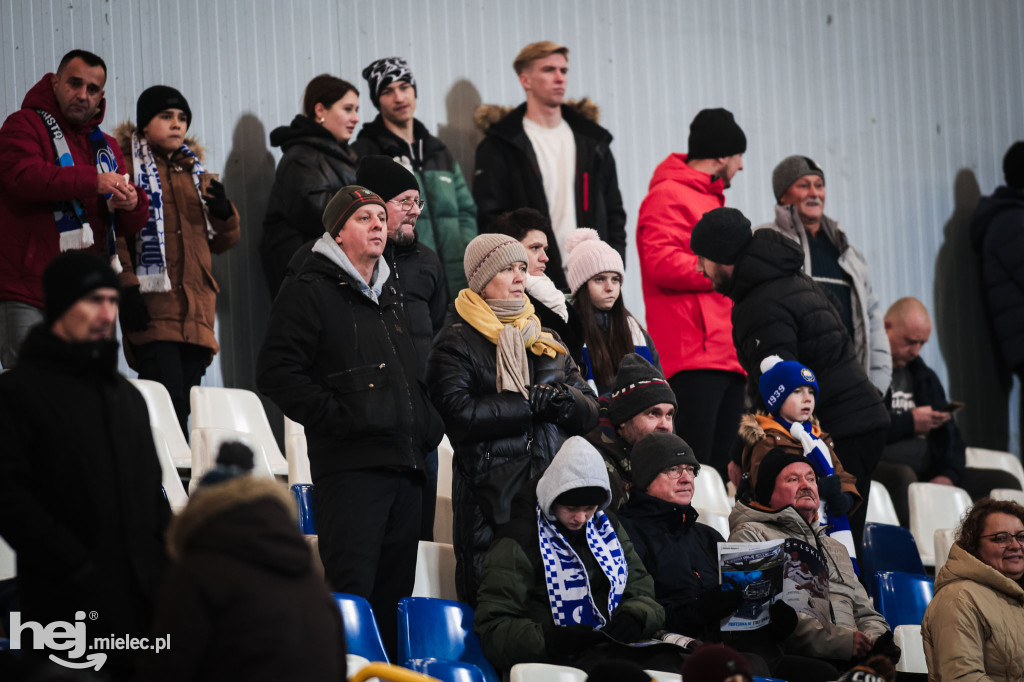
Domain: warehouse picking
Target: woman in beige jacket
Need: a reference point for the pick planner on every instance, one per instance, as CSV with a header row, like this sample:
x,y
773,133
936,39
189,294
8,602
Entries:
x,y
974,626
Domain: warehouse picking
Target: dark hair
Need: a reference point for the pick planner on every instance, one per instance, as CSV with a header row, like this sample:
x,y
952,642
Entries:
x,y
518,223
606,348
324,89
968,535
88,57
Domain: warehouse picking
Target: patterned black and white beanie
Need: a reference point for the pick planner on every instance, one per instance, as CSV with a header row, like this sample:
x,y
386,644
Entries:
x,y
383,72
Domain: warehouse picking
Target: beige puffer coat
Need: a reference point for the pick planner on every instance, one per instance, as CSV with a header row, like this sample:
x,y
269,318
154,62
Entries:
x,y
974,626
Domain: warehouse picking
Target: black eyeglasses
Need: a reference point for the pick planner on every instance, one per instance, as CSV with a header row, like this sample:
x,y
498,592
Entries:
x,y
680,469
407,204
1003,539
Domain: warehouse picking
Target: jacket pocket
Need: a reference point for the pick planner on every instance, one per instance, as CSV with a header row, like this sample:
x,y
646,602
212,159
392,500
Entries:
x,y
364,395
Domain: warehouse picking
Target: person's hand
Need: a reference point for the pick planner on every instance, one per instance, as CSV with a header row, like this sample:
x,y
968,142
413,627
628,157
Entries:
x,y
861,644
735,474
113,184
217,201
942,480
132,308
569,640
885,646
782,621
623,627
540,397
926,419
551,402
717,603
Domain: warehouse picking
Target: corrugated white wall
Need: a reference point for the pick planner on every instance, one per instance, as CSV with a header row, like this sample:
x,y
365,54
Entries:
x,y
907,105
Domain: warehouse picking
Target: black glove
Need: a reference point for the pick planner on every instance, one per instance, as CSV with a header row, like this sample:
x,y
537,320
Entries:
x,y
782,621
133,311
551,402
715,604
625,628
217,202
885,646
830,490
560,642
540,398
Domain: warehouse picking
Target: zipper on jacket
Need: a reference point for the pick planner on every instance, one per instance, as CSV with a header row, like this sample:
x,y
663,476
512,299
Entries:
x,y
405,382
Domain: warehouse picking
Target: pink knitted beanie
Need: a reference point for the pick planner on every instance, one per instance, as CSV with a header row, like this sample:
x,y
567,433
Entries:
x,y
589,256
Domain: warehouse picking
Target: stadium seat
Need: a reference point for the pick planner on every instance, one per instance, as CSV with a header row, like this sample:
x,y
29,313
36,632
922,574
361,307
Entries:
x,y
442,630
444,517
934,506
237,410
171,481
8,561
296,453
908,639
943,542
709,492
362,637
545,672
303,493
903,597
888,548
661,676
1008,494
163,416
435,571
980,458
880,507
371,672
716,520
444,467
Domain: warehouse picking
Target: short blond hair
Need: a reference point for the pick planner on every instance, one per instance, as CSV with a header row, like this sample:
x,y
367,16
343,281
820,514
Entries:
x,y
535,51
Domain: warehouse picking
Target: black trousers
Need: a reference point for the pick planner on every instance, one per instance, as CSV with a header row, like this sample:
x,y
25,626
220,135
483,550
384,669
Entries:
x,y
368,522
178,366
860,454
710,405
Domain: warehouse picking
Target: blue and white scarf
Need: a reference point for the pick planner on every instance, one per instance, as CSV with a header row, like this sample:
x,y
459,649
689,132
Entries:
x,y
150,254
569,592
816,451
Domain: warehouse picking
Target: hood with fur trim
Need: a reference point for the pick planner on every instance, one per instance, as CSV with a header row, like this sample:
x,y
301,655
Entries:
x,y
488,114
124,131
752,426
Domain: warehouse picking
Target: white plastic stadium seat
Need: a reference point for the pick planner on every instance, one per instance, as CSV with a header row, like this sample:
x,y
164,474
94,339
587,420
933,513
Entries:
x,y
435,571
1008,494
934,506
545,672
444,467
709,492
8,561
297,455
908,639
162,415
659,676
880,507
980,458
943,542
716,520
237,410
206,444
444,519
173,488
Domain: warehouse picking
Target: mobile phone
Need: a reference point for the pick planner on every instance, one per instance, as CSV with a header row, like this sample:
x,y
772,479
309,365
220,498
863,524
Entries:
x,y
952,407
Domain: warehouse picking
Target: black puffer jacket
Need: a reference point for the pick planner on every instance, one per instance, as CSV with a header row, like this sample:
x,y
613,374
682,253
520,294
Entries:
x,y
314,167
345,368
997,232
498,442
419,275
781,311
680,554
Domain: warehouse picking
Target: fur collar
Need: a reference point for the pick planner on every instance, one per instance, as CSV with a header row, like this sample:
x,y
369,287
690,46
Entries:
x,y
123,134
752,426
488,114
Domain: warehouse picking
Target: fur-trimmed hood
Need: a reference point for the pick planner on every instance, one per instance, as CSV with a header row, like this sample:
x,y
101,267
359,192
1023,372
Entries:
x,y
488,114
752,426
124,131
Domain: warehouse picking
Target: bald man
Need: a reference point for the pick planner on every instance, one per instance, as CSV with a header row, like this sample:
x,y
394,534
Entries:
x,y
924,442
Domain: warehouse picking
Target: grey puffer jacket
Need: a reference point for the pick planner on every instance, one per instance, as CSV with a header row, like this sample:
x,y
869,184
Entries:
x,y
851,608
869,339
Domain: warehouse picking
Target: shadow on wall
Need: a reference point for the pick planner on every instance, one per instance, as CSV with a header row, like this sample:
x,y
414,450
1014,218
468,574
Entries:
x,y
243,305
963,329
460,134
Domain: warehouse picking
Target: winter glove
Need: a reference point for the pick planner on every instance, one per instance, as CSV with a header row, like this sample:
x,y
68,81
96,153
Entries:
x,y
217,202
885,646
132,310
715,604
569,640
625,628
551,402
830,490
782,621
540,397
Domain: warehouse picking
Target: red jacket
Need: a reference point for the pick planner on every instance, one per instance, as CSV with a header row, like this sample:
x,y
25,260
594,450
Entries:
x,y
31,180
689,322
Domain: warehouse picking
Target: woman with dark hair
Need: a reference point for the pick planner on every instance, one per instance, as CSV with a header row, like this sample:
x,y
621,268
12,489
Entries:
x,y
610,332
317,162
974,626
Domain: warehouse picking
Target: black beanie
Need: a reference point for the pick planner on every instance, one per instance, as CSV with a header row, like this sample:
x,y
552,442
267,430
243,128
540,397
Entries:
x,y
383,72
656,452
583,497
638,385
772,465
1013,165
714,134
234,459
721,235
344,203
69,277
385,176
157,98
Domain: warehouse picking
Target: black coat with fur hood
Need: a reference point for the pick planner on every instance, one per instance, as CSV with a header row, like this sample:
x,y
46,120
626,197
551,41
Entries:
x,y
243,600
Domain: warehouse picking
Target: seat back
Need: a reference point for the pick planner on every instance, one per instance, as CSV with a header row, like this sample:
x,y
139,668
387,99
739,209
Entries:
x,y
980,458
709,492
435,571
303,493
908,639
1008,494
934,506
944,538
206,444
445,455
716,520
545,672
162,415
362,637
903,597
661,676
439,629
296,453
237,410
444,519
8,561
880,506
888,548
173,489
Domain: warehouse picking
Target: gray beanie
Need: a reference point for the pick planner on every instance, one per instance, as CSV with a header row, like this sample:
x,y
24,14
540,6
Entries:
x,y
578,464
487,255
656,452
791,169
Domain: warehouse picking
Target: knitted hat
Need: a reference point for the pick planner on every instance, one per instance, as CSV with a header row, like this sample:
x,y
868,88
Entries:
x,y
385,176
638,385
234,459
791,169
721,235
618,671
577,465
781,377
589,256
656,452
346,202
383,72
487,255
772,465
69,277
157,98
715,663
714,134
1013,165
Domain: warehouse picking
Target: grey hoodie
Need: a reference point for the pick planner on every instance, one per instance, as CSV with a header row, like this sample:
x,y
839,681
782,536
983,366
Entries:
x,y
577,464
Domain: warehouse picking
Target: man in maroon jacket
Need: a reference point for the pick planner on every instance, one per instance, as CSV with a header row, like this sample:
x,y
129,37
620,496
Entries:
x,y
62,188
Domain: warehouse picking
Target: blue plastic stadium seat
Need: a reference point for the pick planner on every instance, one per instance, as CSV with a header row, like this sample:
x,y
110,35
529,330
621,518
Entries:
x,y
441,631
903,597
888,548
304,497
362,637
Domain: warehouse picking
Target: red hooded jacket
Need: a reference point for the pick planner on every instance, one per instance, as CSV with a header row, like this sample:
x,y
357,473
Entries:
x,y
31,180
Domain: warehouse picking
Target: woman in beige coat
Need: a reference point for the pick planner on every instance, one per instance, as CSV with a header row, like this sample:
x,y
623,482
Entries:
x,y
974,626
